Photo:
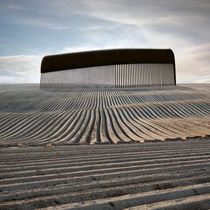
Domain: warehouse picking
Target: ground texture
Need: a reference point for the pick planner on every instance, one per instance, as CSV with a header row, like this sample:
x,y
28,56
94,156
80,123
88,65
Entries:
x,y
162,175
45,164
30,116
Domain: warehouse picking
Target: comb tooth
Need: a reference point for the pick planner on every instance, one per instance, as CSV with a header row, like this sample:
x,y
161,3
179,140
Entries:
x,y
109,68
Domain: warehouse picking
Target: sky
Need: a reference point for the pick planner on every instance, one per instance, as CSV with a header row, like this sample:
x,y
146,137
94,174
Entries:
x,y
31,29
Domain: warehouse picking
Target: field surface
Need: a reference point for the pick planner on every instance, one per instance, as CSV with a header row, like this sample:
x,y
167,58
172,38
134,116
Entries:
x,y
150,148
162,175
30,116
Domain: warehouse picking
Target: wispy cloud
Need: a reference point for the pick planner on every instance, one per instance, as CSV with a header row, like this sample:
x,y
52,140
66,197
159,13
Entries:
x,y
51,26
194,64
20,69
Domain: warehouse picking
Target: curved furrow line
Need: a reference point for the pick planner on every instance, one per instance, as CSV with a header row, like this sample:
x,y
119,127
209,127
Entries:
x,y
86,137
69,103
159,129
147,113
174,110
111,135
165,111
185,110
113,101
47,130
138,99
148,135
93,103
104,135
29,106
189,110
76,101
156,114
115,115
46,105
169,131
96,137
112,130
81,128
146,124
72,130
60,132
90,103
49,105
87,103
7,117
119,101
130,130
42,128
132,99
149,98
41,106
117,127
180,127
26,122
152,113
148,130
57,105
167,125
125,100
56,129
62,106
12,118
35,104
32,126
202,107
93,133
189,129
110,102
138,110
129,99
205,106
168,111
80,103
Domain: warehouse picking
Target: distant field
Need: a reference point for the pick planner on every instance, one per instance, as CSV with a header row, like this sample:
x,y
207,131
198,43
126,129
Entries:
x,y
30,116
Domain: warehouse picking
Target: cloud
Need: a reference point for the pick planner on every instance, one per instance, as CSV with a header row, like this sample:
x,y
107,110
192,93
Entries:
x,y
68,26
194,65
10,6
20,69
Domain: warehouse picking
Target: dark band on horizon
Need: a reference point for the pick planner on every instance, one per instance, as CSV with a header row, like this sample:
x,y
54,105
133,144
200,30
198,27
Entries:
x,y
84,59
